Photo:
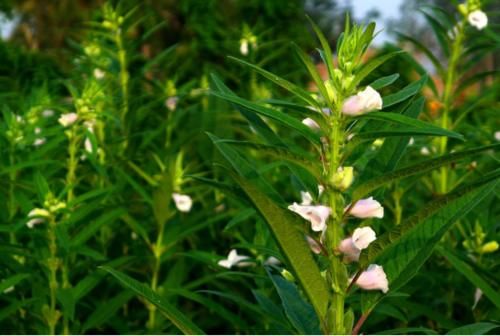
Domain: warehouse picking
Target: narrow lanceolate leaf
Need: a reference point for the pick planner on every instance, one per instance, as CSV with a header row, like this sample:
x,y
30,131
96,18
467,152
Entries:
x,y
174,315
405,93
327,51
472,276
480,328
302,159
405,248
419,168
292,88
384,81
425,50
411,122
279,116
426,228
372,65
284,225
12,281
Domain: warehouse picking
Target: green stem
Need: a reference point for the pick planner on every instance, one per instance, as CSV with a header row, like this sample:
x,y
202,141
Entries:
x,y
53,263
72,163
157,253
447,102
12,201
124,80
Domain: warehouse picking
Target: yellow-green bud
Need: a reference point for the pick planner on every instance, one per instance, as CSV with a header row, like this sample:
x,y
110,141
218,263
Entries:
x,y
330,91
343,178
462,8
489,247
287,275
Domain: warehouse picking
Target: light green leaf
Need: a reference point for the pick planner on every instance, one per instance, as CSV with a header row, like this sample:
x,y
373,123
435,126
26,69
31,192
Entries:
x,y
384,81
106,310
405,93
372,65
175,316
480,328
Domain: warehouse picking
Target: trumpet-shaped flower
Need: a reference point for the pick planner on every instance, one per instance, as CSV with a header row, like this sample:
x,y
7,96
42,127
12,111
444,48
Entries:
x,y
367,208
478,19
361,238
171,103
68,119
363,102
306,198
36,216
311,124
374,278
182,202
316,214
233,259
39,142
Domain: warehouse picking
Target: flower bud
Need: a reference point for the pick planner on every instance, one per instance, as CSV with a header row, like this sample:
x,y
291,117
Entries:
x,y
367,208
363,102
330,91
343,178
374,278
311,124
489,247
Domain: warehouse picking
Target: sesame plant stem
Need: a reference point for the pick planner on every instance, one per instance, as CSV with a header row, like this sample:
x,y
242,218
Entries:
x,y
124,80
72,163
12,201
157,253
53,264
447,102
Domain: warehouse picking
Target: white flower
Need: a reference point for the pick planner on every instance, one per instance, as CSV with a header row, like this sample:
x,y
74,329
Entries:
x,y
374,278
367,208
99,74
272,261
47,113
88,145
68,119
244,47
39,142
361,238
171,103
306,198
8,290
233,259
411,142
363,102
38,130
36,216
182,202
19,118
311,124
320,189
478,19
497,135
477,296
316,214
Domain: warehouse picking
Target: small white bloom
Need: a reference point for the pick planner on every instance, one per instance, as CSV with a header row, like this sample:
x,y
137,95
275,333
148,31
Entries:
x,y
8,290
477,296
171,103
306,198
182,202
19,118
99,74
367,208
374,278
233,259
134,235
320,189
411,142
478,19
326,111
38,130
47,113
36,216
361,238
244,47
316,214
425,151
311,124
363,102
273,261
68,119
39,142
88,145
497,135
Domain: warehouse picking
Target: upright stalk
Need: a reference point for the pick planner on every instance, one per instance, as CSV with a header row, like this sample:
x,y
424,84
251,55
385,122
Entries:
x,y
124,80
447,101
72,163
53,265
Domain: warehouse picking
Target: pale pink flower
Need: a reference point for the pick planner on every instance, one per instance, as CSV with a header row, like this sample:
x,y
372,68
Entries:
x,y
314,245
68,119
311,124
233,259
351,247
374,278
182,202
367,208
171,103
316,214
363,102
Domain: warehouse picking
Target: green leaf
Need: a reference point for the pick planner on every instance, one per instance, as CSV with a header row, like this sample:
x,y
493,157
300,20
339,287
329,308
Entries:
x,y
297,91
90,229
419,168
384,81
405,93
471,275
372,65
106,310
284,225
480,328
327,54
425,50
299,312
401,119
302,159
276,115
180,320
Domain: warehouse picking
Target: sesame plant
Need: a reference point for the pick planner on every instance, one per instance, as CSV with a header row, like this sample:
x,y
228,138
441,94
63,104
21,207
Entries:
x,y
330,243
